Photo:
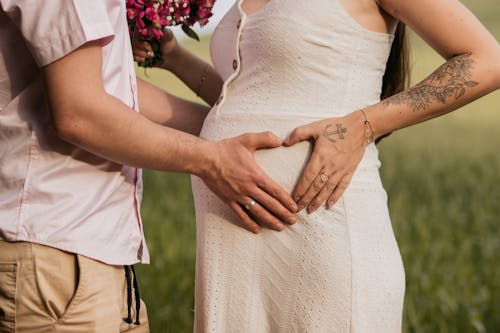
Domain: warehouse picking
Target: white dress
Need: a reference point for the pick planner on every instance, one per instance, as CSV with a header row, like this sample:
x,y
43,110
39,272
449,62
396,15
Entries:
x,y
339,270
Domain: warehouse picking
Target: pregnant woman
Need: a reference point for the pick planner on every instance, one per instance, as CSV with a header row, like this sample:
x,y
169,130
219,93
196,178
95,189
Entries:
x,y
318,67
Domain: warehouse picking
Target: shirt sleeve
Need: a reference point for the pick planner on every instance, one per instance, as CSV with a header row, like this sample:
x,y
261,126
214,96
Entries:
x,y
55,28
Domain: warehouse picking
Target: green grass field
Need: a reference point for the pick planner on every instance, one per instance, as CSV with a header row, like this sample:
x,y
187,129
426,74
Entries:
x,y
443,181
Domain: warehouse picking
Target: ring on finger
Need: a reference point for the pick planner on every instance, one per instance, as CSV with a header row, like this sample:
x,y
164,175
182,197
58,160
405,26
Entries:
x,y
323,176
250,205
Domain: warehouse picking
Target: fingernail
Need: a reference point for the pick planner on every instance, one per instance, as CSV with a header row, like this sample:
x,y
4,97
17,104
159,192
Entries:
x,y
296,198
311,209
292,220
331,204
295,208
301,206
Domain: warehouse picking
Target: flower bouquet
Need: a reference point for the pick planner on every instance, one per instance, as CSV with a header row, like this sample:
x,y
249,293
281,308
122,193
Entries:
x,y
148,18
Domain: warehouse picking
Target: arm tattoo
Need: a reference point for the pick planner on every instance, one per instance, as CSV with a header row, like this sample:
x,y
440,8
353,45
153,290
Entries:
x,y
329,134
449,80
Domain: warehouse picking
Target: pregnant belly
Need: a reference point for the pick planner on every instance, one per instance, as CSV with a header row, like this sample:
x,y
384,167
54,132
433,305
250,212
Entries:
x,y
284,164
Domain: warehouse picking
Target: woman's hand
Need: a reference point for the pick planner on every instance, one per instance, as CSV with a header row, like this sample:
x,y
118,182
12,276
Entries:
x,y
339,145
195,72
142,49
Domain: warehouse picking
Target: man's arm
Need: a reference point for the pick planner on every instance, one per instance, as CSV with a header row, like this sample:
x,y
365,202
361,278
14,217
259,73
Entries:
x,y
85,115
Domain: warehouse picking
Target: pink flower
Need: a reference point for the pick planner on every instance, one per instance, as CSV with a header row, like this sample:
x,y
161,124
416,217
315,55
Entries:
x,y
149,17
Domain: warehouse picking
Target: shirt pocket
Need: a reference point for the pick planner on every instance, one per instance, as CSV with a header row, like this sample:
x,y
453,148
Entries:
x,y
8,279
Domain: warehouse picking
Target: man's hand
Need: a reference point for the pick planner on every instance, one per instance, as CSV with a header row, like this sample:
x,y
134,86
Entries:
x,y
237,179
93,120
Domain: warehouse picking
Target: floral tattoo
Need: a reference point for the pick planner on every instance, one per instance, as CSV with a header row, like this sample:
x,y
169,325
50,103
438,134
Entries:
x,y
448,81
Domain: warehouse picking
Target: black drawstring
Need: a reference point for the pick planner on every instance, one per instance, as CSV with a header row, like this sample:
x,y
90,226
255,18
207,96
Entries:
x,y
137,298
128,320
128,277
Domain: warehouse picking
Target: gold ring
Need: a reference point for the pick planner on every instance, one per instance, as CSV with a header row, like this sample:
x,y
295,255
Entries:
x,y
323,177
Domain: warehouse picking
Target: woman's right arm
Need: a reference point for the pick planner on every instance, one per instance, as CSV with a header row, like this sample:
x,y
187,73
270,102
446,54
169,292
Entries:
x,y
196,73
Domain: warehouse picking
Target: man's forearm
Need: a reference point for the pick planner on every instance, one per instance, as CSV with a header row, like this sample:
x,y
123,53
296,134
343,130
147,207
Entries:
x,y
102,124
124,136
94,120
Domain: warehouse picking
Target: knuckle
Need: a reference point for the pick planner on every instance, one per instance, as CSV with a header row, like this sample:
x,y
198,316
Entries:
x,y
342,185
298,132
272,192
308,177
263,185
293,135
332,163
260,179
306,198
246,137
331,186
316,187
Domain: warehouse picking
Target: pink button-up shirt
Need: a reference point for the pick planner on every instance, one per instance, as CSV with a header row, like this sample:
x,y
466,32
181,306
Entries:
x,y
52,192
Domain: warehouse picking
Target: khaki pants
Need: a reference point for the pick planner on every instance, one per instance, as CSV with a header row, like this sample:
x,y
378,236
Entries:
x,y
43,289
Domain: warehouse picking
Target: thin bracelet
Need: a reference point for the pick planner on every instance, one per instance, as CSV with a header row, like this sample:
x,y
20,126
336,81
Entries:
x,y
369,133
202,79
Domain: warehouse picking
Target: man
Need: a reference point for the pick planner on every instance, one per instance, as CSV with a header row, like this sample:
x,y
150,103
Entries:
x,y
71,143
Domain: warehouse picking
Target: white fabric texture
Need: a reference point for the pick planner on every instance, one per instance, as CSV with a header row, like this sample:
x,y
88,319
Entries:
x,y
339,270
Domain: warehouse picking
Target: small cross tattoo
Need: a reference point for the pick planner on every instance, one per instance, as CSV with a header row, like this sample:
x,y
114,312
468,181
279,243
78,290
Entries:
x,y
327,133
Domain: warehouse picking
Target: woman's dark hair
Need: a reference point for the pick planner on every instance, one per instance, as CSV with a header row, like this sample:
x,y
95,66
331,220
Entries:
x,y
397,71
397,76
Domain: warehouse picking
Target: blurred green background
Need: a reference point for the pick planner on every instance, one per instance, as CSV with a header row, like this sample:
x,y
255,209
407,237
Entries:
x,y
443,181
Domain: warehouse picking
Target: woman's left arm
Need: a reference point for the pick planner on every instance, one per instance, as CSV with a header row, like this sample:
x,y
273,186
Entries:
x,y
472,70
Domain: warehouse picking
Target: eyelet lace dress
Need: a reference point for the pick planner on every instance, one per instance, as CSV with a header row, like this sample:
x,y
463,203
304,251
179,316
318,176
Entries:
x,y
338,270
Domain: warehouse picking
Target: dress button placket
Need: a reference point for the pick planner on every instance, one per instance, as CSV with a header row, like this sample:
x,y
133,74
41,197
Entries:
x,y
236,62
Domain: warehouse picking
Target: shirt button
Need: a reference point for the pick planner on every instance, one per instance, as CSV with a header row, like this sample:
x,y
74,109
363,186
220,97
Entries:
x,y
235,64
239,24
